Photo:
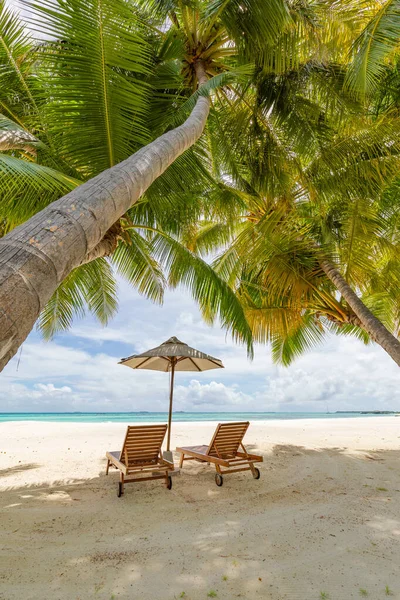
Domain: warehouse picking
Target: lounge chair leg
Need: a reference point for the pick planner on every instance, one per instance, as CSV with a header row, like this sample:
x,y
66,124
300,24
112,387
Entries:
x,y
255,472
181,461
108,466
121,485
219,480
168,480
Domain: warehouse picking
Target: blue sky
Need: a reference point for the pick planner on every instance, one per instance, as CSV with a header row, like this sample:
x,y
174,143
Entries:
x,y
78,371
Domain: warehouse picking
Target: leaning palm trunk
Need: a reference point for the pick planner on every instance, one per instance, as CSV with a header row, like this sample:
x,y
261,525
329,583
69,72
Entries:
x,y
37,256
365,318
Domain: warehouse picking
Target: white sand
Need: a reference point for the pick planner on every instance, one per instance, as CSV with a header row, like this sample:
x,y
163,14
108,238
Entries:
x,y
315,522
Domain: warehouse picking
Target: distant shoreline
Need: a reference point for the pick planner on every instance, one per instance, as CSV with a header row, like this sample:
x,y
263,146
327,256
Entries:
x,y
181,416
368,412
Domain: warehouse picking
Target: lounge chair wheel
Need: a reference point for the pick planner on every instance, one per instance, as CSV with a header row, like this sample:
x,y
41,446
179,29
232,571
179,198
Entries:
x,y
219,480
256,473
120,490
169,484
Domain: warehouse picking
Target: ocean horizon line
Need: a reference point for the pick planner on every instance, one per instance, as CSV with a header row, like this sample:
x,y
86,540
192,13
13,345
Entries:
x,y
193,412
182,416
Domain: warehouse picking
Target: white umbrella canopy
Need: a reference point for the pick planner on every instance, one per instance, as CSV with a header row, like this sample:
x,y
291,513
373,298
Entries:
x,y
173,355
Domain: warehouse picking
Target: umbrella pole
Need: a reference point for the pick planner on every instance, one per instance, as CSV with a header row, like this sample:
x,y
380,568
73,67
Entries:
x,y
171,395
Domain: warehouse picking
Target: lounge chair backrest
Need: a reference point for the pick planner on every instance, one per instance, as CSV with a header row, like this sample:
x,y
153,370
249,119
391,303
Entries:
x,y
227,439
142,444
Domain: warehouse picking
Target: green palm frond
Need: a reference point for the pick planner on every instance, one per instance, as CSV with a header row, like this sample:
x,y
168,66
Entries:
x,y
95,71
66,304
166,79
346,329
229,266
361,238
135,262
91,286
285,349
214,297
269,317
18,83
241,73
179,196
27,187
280,320
100,290
159,10
341,186
376,44
304,40
171,47
208,237
252,24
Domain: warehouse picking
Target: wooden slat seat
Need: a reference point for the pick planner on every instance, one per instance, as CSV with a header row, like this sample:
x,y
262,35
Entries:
x,y
141,455
223,451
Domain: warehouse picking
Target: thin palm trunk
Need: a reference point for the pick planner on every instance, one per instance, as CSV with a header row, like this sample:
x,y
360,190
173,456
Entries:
x,y
366,319
37,256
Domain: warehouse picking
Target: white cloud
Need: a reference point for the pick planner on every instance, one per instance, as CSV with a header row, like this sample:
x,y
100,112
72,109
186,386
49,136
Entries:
x,y
51,390
79,372
210,396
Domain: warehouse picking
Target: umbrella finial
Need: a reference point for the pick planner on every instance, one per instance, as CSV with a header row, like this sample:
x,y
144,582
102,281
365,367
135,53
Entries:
x,y
173,340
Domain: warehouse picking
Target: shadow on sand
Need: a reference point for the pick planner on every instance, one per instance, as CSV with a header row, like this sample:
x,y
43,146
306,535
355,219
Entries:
x,y
18,469
323,520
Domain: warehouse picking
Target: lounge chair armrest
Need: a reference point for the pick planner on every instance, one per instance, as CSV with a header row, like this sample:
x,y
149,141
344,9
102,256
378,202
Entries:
x,y
203,457
254,457
117,463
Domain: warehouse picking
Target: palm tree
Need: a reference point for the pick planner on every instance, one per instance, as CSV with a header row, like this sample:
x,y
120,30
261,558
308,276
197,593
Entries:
x,y
97,64
89,77
324,203
280,274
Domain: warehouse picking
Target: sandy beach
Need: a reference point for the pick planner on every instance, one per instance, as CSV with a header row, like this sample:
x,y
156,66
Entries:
x,y
322,522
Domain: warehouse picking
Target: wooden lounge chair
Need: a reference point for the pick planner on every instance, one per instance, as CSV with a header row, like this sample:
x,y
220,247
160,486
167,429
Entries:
x,y
141,455
223,451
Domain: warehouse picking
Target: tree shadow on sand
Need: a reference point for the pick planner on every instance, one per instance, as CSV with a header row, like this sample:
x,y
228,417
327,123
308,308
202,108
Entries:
x,y
18,469
318,520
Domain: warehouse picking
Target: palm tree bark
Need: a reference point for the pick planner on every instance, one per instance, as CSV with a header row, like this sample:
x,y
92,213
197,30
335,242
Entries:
x,y
366,319
106,246
11,139
37,256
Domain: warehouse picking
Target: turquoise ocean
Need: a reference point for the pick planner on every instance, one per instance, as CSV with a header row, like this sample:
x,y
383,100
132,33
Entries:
x,y
161,417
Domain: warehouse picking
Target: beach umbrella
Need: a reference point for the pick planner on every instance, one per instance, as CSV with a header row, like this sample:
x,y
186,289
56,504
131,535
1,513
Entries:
x,y
173,355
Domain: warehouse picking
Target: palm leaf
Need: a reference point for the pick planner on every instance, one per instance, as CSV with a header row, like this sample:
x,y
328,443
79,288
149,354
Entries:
x,y
222,79
135,262
27,187
376,44
298,340
100,290
18,83
214,297
90,286
96,60
252,24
